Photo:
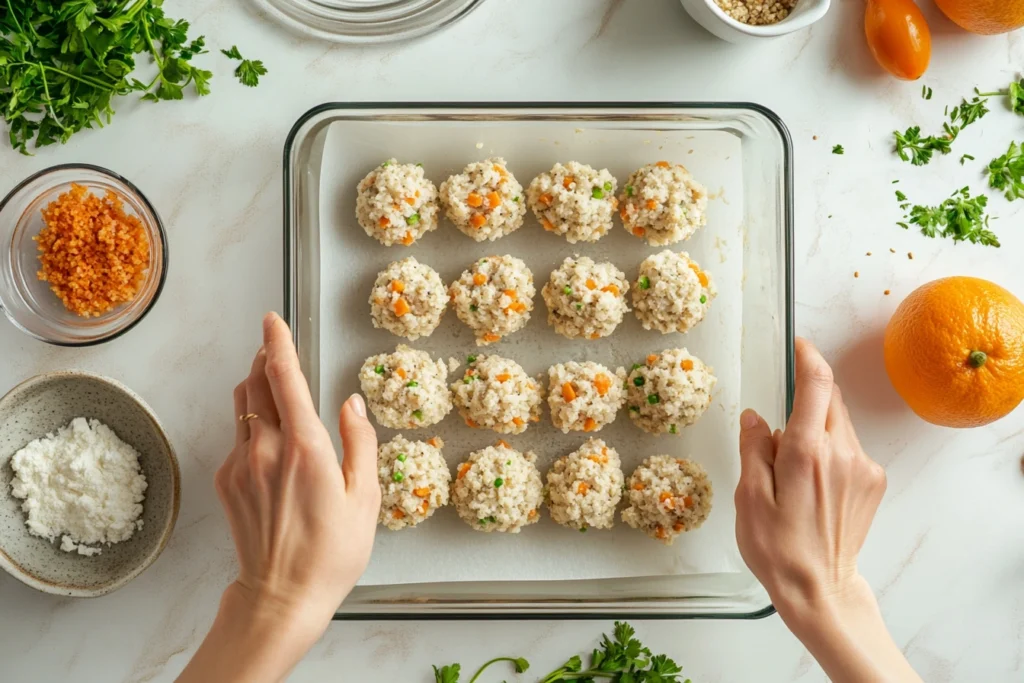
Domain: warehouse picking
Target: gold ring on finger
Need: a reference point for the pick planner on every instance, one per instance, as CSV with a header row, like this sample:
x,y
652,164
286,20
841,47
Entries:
x,y
247,417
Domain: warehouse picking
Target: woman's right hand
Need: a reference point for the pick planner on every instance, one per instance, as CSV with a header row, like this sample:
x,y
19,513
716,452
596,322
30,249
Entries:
x,y
804,505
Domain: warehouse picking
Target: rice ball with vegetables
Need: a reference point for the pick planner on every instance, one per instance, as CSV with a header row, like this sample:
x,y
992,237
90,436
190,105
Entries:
x,y
498,489
585,487
585,299
663,204
494,297
575,201
406,389
396,203
408,299
670,391
672,293
666,497
496,393
485,201
584,396
414,480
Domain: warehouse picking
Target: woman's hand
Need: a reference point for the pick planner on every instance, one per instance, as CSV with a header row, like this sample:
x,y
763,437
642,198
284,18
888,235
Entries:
x,y
804,504
303,525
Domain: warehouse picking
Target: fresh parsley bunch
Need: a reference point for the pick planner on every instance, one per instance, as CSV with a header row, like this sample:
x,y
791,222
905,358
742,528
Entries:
x,y
620,659
1006,173
961,217
63,62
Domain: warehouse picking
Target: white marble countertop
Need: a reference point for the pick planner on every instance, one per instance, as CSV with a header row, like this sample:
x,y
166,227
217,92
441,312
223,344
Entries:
x,y
947,549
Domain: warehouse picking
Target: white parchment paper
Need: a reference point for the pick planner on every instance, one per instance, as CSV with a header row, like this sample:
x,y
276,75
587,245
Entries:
x,y
444,549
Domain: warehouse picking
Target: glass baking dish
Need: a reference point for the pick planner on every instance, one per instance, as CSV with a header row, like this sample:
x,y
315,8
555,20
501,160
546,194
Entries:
x,y
766,333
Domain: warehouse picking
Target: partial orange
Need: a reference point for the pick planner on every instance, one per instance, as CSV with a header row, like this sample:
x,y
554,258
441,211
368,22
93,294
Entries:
x,y
985,16
954,350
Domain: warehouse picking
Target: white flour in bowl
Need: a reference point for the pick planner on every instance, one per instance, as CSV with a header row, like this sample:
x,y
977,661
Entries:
x,y
83,484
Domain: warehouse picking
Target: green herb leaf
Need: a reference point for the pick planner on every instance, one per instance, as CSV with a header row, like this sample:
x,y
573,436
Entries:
x,y
926,92
1005,173
838,149
447,674
966,157
249,72
961,217
233,53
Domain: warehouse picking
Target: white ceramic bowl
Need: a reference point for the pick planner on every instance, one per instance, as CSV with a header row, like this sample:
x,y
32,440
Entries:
x,y
708,14
41,405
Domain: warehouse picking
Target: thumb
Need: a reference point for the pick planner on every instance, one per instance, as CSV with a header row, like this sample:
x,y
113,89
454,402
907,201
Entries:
x,y
757,455
359,444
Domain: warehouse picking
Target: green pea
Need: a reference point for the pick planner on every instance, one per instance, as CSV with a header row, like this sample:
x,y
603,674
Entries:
x,y
597,193
397,477
645,282
508,462
583,530
639,381
498,482
412,383
629,190
418,414
413,219
579,307
608,187
654,399
634,409
636,366
379,369
703,299
671,429
385,164
468,380
567,290
516,199
401,457
474,308
471,359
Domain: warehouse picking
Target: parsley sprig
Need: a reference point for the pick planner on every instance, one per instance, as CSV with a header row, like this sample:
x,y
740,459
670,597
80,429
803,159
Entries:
x,y
1006,173
918,150
63,63
249,71
620,659
960,217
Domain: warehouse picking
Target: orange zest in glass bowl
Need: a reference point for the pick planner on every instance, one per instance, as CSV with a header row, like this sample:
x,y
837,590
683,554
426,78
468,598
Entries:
x,y
93,254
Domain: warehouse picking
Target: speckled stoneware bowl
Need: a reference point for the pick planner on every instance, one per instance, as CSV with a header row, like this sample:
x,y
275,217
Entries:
x,y
40,406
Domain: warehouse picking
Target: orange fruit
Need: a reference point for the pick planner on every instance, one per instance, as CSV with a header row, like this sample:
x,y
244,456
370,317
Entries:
x,y
954,350
898,36
985,16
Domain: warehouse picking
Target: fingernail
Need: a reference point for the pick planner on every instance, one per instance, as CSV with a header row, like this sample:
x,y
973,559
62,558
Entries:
x,y
748,419
358,405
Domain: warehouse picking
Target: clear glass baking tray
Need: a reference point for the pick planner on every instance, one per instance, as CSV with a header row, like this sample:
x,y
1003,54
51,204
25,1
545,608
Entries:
x,y
766,332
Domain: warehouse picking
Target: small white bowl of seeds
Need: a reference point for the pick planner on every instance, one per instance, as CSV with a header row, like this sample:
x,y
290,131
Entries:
x,y
739,21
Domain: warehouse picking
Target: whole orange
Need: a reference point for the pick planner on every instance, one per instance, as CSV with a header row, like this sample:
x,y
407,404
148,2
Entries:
x,y
985,16
954,350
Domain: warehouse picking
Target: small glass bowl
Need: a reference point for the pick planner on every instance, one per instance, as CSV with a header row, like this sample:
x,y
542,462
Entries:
x,y
367,21
27,301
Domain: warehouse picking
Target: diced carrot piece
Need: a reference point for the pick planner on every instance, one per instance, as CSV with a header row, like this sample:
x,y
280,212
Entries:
x,y
410,200
534,418
503,444
660,532
652,359
604,451
546,199
490,337
602,383
568,181
583,488
614,289
417,194
594,336
687,502
548,225
568,393
401,373
397,286
500,171
425,506
470,423
693,266
398,513
686,364
623,212
518,307
478,220
591,284
475,200
421,492
463,468
639,232
651,204
518,421
479,279
589,424
503,377
662,164
383,222
493,200
666,498
703,278
402,307
408,239
511,294
434,442
678,526
532,515
396,207
638,486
